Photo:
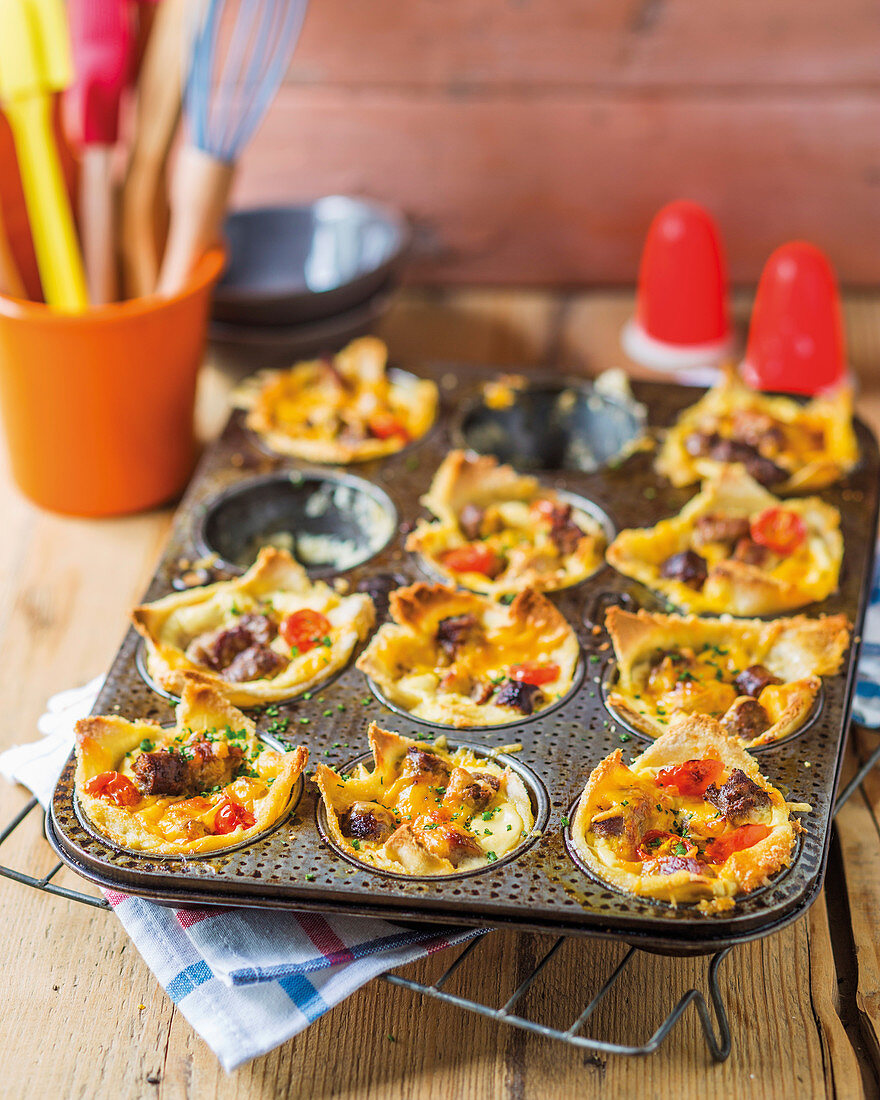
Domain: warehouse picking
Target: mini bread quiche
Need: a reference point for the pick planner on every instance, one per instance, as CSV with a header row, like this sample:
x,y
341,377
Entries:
x,y
498,531
424,810
782,444
262,637
204,785
735,547
343,409
691,819
460,659
759,679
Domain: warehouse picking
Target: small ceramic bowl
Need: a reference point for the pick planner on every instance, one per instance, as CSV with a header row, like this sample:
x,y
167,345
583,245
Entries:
x,y
241,349
293,265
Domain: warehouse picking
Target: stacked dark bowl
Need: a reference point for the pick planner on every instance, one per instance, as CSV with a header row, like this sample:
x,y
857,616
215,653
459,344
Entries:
x,y
304,280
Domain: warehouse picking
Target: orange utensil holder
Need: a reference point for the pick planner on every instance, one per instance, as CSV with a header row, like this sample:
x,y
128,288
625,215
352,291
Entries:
x,y
98,408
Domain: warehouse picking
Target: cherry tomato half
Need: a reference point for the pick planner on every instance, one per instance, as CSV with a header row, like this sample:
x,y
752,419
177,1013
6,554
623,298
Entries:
x,y
745,836
303,630
779,529
473,558
230,816
383,425
692,777
530,672
115,788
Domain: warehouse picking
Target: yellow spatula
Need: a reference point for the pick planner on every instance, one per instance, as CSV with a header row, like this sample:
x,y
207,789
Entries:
x,y
34,63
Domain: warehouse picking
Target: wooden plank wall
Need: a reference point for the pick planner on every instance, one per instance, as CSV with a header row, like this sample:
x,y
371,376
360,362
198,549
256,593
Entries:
x,y
531,140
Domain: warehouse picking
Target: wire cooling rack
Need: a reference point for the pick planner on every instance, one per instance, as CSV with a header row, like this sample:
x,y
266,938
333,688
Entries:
x,y
717,1033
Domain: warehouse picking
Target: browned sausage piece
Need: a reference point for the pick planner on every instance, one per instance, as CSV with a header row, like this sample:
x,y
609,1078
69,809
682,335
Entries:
x,y
262,629
726,529
746,719
218,648
161,772
419,764
448,842
368,821
207,769
257,662
753,680
751,553
519,695
608,826
473,789
687,567
740,799
452,633
470,520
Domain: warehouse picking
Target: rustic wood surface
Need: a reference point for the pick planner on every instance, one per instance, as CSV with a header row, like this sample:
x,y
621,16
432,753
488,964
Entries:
x,y
506,130
81,1015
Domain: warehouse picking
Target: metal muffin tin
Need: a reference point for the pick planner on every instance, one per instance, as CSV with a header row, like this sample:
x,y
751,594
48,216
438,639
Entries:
x,y
541,889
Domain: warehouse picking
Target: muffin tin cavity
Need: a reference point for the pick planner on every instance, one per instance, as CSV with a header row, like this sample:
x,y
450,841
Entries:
x,y
329,522
161,857
609,680
537,794
660,903
552,426
522,720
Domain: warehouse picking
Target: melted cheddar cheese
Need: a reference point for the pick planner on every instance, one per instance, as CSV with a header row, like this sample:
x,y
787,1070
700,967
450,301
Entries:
x,y
423,809
760,679
810,445
690,820
243,788
456,658
730,580
344,409
275,588
497,531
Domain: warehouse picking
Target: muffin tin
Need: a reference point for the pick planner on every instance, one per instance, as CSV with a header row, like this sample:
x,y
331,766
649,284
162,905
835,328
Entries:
x,y
540,888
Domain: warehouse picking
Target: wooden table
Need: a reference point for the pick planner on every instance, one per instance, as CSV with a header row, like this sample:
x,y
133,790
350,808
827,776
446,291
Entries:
x,y
82,1016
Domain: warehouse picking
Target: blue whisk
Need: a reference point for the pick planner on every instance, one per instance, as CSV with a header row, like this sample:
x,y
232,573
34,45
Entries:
x,y
240,53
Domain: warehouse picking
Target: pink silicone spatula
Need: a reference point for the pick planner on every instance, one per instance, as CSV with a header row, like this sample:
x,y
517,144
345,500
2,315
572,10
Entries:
x,y
102,36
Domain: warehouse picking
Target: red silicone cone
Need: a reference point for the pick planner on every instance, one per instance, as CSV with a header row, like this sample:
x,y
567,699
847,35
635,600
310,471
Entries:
x,y
796,340
682,315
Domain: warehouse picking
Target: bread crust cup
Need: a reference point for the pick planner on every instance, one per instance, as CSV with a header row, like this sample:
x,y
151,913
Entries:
x,y
262,637
198,788
460,659
787,446
339,410
424,809
760,679
690,820
497,531
736,548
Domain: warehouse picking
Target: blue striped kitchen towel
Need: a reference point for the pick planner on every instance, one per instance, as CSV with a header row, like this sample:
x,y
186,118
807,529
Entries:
x,y
246,979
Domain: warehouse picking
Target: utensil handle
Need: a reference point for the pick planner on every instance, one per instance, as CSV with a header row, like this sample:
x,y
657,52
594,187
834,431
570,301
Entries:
x,y
160,90
48,206
199,194
96,222
10,281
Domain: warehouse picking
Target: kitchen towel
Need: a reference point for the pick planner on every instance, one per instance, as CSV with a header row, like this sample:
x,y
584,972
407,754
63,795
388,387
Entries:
x,y
246,979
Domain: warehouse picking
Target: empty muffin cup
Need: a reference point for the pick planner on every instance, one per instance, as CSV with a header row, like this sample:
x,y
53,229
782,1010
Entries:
x,y
551,426
329,522
536,790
